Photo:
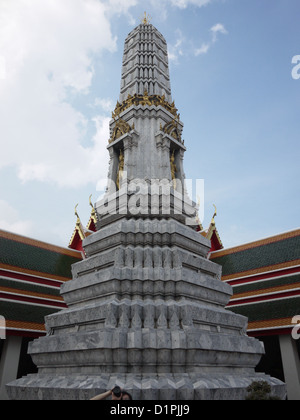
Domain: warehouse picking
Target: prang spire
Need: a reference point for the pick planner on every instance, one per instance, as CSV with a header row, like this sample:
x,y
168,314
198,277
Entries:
x,y
145,131
145,64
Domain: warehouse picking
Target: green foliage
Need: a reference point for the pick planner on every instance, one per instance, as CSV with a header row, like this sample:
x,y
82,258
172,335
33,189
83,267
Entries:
x,y
260,391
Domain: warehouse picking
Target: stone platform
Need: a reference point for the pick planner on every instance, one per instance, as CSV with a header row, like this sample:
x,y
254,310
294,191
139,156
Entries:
x,y
146,312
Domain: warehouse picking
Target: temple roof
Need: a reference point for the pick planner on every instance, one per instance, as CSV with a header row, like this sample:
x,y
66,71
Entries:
x,y
31,273
212,233
80,232
265,276
31,256
276,252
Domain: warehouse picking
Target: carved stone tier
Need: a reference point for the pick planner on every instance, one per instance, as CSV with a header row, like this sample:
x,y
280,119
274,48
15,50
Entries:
x,y
146,311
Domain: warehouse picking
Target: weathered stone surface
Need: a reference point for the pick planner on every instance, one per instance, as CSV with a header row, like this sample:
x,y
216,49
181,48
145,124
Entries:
x,y
142,387
146,307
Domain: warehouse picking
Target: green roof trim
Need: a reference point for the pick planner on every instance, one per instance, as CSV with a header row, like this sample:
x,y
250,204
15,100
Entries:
x,y
29,287
261,285
276,309
274,253
34,258
25,313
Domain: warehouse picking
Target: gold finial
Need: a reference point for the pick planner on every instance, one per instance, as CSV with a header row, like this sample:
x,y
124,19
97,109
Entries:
x,y
78,223
90,201
93,212
215,214
76,213
78,228
146,19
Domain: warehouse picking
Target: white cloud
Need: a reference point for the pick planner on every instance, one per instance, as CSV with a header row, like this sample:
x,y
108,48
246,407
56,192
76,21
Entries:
x,y
2,68
10,220
218,28
183,4
176,50
182,45
163,6
106,104
120,6
202,50
48,49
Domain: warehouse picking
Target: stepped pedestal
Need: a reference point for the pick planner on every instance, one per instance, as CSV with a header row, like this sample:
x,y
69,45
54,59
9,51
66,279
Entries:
x,y
146,312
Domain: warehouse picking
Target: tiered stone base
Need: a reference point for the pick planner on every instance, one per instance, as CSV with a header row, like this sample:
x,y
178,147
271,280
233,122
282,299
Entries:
x,y
146,312
142,387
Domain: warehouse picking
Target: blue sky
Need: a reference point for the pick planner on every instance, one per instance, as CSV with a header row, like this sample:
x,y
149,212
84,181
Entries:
x,y
231,78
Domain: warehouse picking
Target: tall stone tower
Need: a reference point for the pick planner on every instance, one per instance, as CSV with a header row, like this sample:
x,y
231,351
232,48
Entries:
x,y
146,307
146,147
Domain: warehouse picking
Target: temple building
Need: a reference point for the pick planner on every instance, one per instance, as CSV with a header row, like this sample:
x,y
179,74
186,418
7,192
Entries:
x,y
265,276
31,274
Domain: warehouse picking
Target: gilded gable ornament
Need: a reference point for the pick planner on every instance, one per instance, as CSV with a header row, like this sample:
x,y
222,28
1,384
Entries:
x,y
121,128
172,129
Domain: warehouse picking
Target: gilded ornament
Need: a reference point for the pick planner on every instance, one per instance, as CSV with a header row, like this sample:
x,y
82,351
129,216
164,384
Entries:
x,y
120,169
144,100
172,129
121,128
146,19
93,213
